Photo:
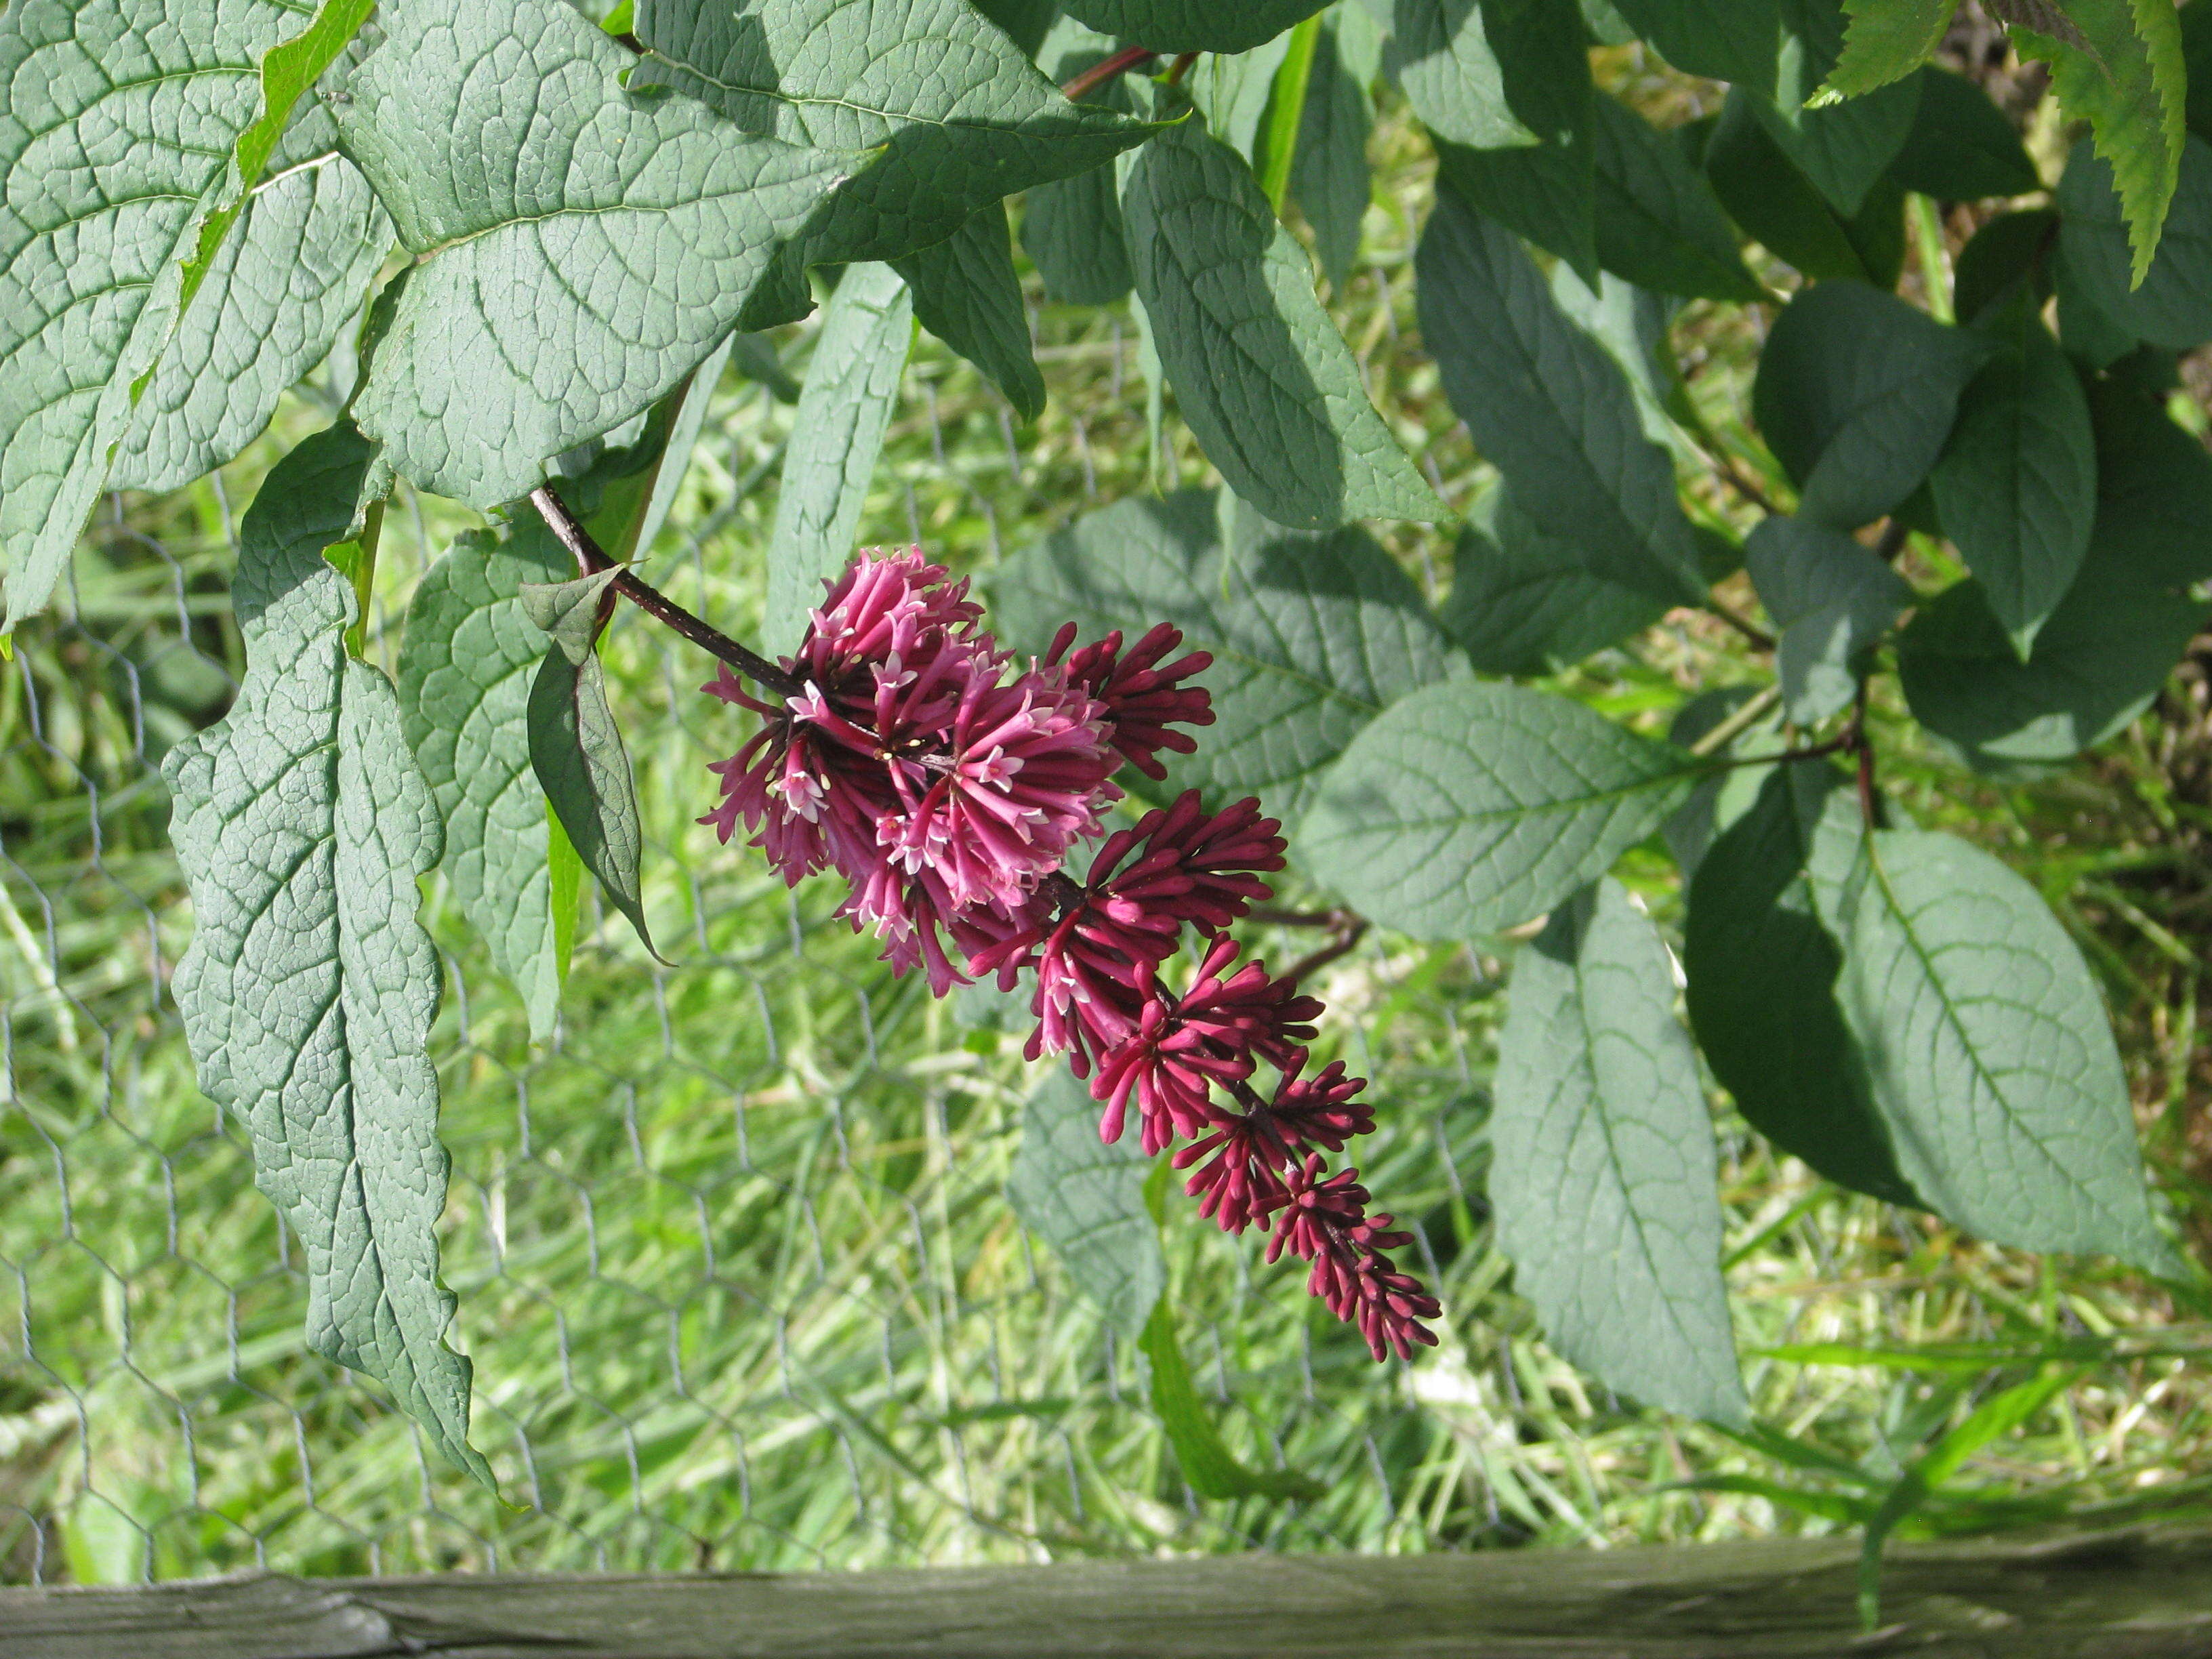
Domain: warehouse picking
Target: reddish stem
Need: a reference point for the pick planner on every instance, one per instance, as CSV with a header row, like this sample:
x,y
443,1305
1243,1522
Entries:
x,y
1106,70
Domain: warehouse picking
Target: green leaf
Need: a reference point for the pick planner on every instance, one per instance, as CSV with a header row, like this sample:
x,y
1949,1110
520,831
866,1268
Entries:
x,y
1232,91
124,121
852,386
2011,249
1736,40
1085,1199
1469,807
2130,83
1193,25
1600,1123
1778,207
1443,55
1550,408
302,826
1962,147
587,274
1991,1054
2093,337
1658,223
575,746
1026,22
686,422
1522,603
2197,57
966,293
1262,375
1330,178
1886,40
2017,486
961,116
1856,395
1832,599
2166,300
1722,797
1071,228
466,665
1312,636
1763,964
1212,1468
1842,147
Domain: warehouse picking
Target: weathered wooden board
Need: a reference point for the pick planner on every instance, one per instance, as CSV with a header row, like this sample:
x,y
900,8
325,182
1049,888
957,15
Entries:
x,y
2134,1595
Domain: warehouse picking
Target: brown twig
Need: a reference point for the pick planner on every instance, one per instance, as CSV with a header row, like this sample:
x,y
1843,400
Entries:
x,y
1106,70
1180,68
1343,943
1742,624
1268,915
590,559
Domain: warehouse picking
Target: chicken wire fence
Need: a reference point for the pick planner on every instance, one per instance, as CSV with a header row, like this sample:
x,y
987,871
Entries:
x,y
734,1260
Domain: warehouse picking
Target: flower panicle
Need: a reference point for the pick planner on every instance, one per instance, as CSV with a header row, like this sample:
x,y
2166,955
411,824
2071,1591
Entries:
x,y
952,786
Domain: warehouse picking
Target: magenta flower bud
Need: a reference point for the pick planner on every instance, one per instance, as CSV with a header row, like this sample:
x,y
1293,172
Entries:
x,y
1141,700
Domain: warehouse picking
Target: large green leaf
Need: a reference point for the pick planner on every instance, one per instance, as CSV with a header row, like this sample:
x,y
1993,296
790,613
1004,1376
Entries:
x,y
1524,604
1312,636
2130,83
576,746
1962,147
1071,228
1856,395
466,662
566,280
118,139
1330,179
1991,1056
1469,807
1441,56
1832,599
302,825
1550,408
961,116
1736,40
2168,300
1886,40
852,384
965,292
1762,964
1233,90
2017,486
1085,1199
1842,147
1778,207
1260,372
1603,1169
1193,25
1658,222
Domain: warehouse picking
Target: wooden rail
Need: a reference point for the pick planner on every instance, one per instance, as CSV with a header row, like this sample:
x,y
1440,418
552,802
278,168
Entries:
x,y
2135,1594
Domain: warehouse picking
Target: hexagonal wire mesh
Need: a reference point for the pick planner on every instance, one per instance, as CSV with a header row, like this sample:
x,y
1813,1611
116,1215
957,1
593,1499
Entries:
x,y
733,1255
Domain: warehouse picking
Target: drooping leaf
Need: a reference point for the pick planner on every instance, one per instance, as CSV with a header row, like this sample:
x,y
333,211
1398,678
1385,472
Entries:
x,y
961,116
576,747
2167,300
1732,40
302,824
1832,599
1762,964
1213,1470
1856,394
1961,147
852,386
1260,372
1779,208
1071,228
1631,325
965,292
1886,40
1469,807
1991,1054
1312,636
1193,25
1330,179
1844,147
567,283
2016,484
1550,408
466,662
1232,91
2127,77
1524,604
122,120
1441,57
1600,1117
685,423
1085,1199
2009,254
1658,223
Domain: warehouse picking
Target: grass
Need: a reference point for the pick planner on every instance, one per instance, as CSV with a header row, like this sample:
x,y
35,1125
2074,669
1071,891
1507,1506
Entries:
x,y
733,1260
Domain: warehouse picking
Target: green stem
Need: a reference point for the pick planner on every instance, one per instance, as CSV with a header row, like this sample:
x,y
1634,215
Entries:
x,y
1286,106
1935,264
362,568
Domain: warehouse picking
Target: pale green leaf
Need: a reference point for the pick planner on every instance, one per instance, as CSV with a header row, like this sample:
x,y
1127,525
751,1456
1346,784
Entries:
x,y
1085,1199
1469,807
1441,56
1232,90
1193,25
303,825
851,386
1260,372
1886,40
569,279
1831,598
965,292
1601,1123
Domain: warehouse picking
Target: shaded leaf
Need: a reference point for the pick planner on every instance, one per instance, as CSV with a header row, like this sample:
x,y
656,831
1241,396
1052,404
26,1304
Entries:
x,y
1085,1199
1524,604
1260,372
2009,254
2168,300
1469,807
965,292
1193,25
1778,207
1722,797
1071,228
1732,40
1658,222
302,825
1601,1116
1330,178
1961,147
1842,147
1232,91
1832,599
1440,55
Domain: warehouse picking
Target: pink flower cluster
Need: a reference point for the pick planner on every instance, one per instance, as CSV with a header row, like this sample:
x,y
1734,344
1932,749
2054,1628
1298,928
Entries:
x,y
952,787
